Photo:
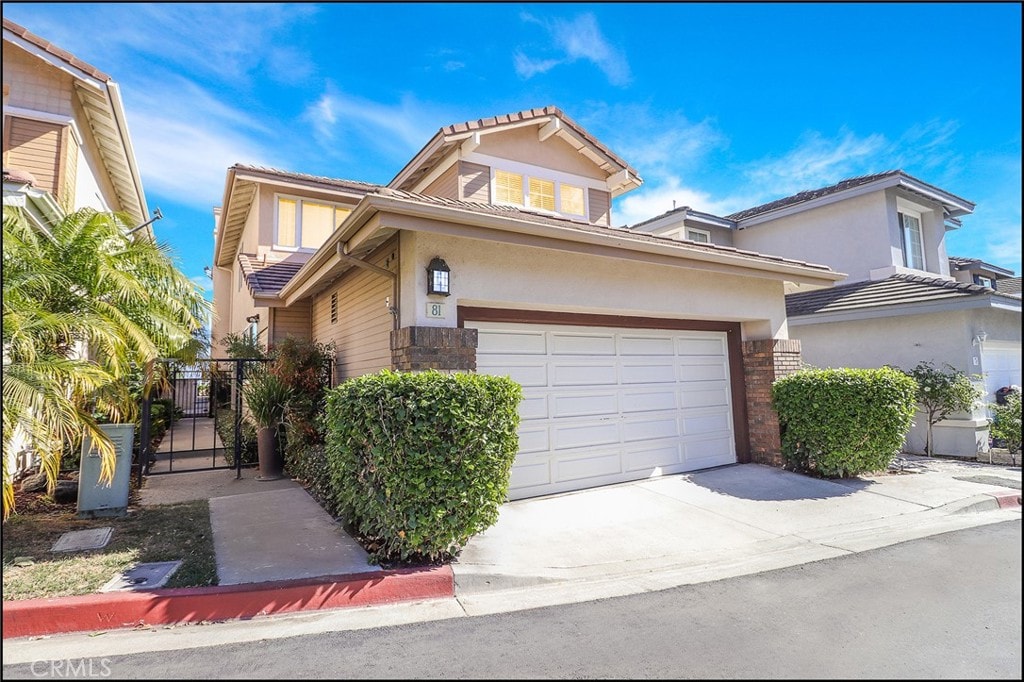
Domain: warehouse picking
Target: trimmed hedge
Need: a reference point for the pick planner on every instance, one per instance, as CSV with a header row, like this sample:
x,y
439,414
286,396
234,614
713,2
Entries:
x,y
843,422
420,462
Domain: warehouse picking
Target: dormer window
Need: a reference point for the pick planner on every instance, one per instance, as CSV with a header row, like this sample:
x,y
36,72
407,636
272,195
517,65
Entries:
x,y
305,223
699,236
913,244
540,192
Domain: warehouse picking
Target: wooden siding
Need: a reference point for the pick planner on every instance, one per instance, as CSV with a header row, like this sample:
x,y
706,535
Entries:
x,y
600,207
362,334
69,172
294,321
446,185
475,181
35,146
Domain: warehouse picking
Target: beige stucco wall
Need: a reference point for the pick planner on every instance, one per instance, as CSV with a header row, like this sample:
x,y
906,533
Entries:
x,y
856,236
492,274
940,337
523,145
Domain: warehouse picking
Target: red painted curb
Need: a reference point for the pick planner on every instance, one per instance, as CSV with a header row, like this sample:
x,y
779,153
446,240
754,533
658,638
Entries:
x,y
110,610
1007,500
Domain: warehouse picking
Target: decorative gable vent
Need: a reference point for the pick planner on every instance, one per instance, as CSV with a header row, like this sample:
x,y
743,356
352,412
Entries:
x,y
334,307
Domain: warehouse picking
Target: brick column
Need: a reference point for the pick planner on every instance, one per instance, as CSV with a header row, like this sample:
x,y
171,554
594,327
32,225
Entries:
x,y
764,361
444,348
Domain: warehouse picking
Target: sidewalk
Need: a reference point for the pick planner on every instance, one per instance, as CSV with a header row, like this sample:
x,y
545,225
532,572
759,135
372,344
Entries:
x,y
278,551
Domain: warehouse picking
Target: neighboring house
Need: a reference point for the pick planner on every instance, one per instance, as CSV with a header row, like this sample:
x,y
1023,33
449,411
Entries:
x,y
65,138
493,250
904,301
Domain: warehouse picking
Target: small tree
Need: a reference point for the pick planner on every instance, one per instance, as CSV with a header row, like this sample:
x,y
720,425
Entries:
x,y
940,393
1006,421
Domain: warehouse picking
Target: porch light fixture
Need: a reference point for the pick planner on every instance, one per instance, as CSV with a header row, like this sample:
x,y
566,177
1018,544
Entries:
x,y
979,338
438,278
253,318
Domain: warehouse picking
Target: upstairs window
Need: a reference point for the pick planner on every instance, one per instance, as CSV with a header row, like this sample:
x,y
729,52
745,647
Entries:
x,y
306,224
572,200
699,236
542,194
913,244
983,281
508,188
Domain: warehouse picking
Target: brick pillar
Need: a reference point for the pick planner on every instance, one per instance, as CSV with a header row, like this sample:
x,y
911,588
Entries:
x,y
444,348
764,361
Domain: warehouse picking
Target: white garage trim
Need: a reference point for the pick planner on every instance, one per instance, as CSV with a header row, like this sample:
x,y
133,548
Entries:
x,y
607,404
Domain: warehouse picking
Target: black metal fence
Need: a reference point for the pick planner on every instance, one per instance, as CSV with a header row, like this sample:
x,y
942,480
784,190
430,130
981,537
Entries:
x,y
201,406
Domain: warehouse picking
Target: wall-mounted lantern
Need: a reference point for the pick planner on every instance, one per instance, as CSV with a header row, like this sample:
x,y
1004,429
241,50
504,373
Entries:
x,y
438,278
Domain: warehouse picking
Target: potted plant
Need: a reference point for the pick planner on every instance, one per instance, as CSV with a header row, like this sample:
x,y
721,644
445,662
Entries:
x,y
267,396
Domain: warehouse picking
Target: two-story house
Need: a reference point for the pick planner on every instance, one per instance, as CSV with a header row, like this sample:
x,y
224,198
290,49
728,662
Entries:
x,y
493,250
905,300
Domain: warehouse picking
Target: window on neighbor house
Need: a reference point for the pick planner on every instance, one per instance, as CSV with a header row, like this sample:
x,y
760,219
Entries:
x,y
913,245
984,281
305,224
699,236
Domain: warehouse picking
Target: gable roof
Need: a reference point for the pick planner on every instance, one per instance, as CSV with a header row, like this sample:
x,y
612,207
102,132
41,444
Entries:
x,y
953,205
101,98
892,291
240,189
553,119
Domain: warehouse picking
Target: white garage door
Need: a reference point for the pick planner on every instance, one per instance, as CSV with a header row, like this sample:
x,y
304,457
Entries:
x,y
605,405
1000,364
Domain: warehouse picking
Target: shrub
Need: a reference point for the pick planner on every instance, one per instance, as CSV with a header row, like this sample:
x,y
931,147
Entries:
x,y
419,463
843,422
225,422
940,393
304,367
1006,421
307,463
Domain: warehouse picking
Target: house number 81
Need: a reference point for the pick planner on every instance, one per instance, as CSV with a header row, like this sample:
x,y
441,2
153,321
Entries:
x,y
435,310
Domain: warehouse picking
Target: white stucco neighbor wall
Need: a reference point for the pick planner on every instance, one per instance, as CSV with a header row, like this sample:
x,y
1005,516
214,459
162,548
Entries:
x,y
491,274
88,192
941,337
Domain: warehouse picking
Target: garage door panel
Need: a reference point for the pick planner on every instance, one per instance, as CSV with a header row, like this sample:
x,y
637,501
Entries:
x,y
702,394
582,344
696,346
716,372
705,423
646,345
651,429
529,375
648,401
648,373
584,404
585,434
647,460
534,439
513,342
591,466
606,405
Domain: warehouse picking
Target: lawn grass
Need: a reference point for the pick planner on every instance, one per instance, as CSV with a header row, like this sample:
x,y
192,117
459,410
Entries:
x,y
161,533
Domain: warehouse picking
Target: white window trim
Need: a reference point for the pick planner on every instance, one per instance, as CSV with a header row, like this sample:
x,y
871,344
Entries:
x,y
298,248
35,115
695,230
537,173
904,210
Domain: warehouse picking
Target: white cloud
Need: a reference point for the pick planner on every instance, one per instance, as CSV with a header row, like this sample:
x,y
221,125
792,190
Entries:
x,y
576,39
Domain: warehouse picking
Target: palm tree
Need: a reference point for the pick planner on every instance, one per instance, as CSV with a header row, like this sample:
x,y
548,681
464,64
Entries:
x,y
84,306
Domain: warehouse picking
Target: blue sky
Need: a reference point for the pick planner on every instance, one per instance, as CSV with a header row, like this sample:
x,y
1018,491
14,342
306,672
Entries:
x,y
718,106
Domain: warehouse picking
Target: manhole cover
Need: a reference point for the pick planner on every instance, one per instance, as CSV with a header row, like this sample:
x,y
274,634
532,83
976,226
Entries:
x,y
991,480
143,577
81,540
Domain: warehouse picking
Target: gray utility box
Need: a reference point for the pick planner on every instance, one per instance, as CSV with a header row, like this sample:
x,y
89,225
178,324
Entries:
x,y
102,499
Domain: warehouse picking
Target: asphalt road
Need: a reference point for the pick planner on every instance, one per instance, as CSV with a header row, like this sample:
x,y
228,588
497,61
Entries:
x,y
943,607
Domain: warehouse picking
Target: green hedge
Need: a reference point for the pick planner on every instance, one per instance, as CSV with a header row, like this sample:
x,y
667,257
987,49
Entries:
x,y
419,463
843,422
225,422
1006,421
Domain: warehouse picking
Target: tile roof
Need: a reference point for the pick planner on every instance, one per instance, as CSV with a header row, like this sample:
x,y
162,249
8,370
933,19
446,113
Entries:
x,y
52,49
267,278
961,262
356,185
522,213
894,290
1009,285
809,195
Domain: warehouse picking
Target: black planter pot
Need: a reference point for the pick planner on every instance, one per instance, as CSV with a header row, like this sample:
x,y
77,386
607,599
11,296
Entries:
x,y
271,460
